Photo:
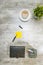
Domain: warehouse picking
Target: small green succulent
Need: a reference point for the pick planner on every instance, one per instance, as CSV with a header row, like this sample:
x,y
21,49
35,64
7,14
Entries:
x,y
38,12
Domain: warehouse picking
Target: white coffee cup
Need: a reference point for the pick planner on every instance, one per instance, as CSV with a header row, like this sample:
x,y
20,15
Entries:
x,y
25,15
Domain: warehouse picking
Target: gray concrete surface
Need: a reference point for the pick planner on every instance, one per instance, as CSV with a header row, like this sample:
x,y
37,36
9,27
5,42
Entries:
x,y
9,22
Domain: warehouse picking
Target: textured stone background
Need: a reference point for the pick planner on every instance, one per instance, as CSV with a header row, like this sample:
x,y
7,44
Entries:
x,y
9,22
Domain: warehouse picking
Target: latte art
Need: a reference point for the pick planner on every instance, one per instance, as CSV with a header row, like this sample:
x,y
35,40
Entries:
x,y
24,14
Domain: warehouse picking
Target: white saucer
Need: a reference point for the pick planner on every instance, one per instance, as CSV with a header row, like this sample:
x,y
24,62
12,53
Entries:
x,y
27,17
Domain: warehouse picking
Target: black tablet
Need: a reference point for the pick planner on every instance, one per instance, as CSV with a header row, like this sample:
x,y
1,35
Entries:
x,y
17,51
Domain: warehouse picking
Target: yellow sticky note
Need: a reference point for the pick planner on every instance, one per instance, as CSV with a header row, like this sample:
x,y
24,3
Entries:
x,y
18,34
